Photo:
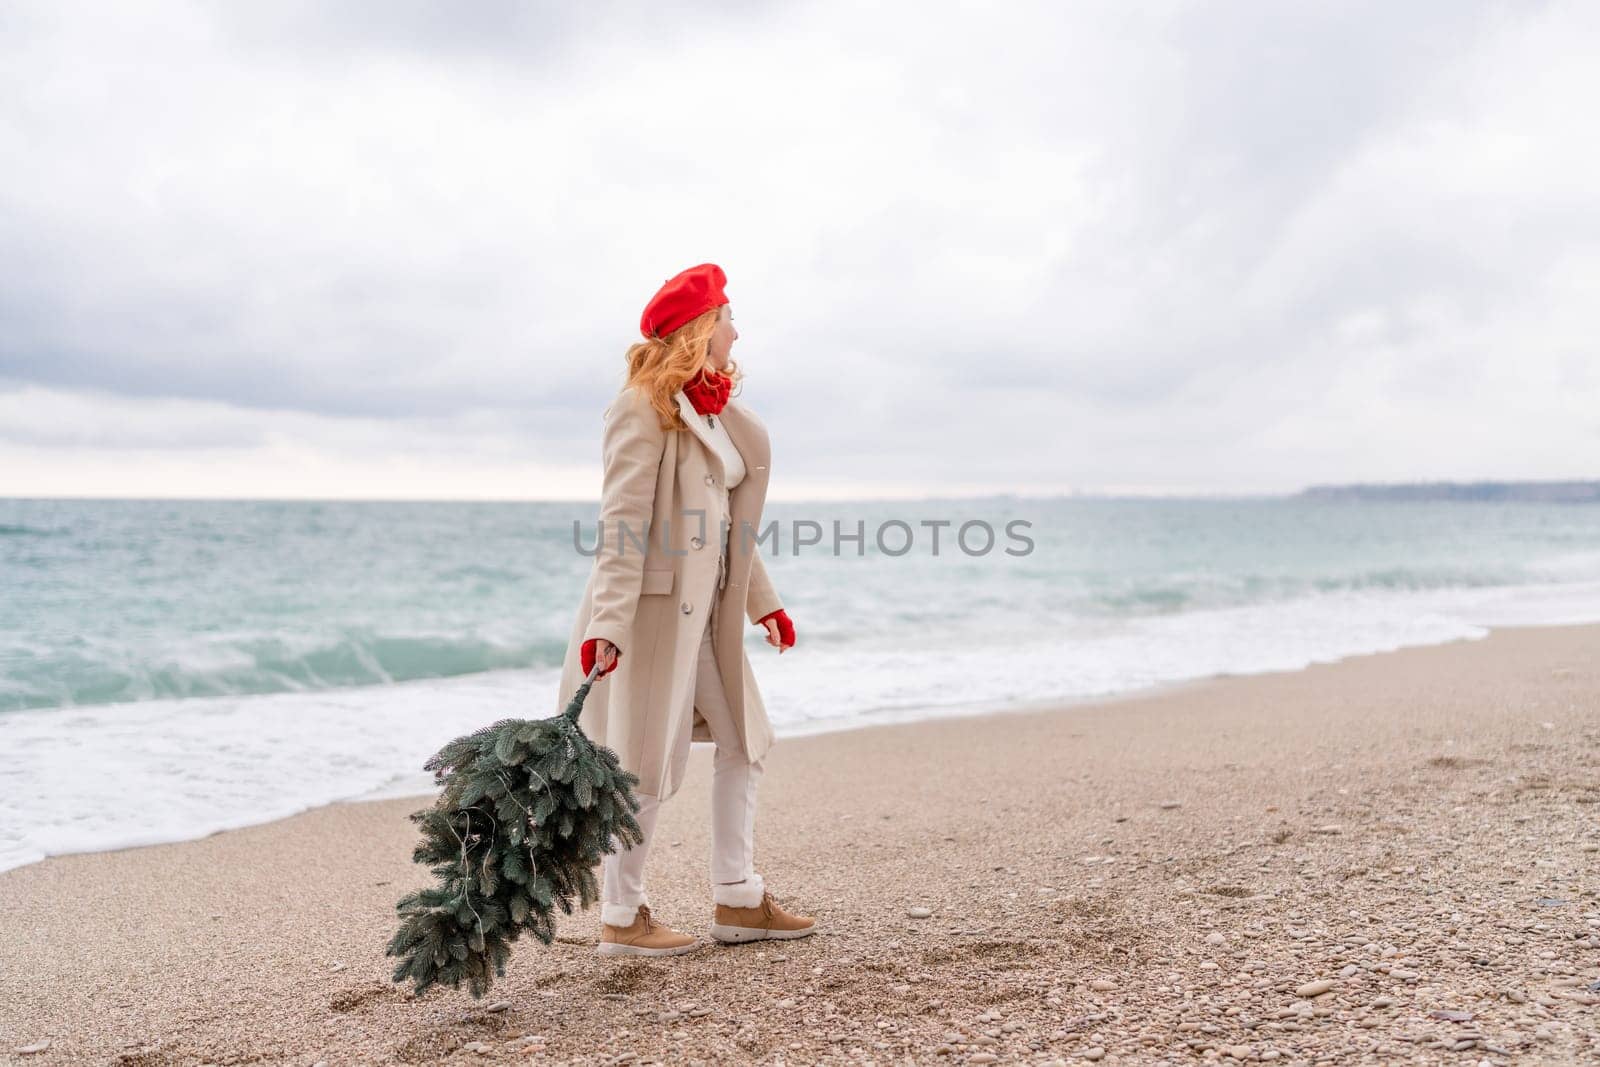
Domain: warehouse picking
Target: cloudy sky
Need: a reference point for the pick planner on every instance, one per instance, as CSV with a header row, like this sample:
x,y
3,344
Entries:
x,y
345,249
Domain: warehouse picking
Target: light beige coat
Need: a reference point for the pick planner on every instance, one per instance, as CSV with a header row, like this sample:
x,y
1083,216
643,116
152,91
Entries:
x,y
652,604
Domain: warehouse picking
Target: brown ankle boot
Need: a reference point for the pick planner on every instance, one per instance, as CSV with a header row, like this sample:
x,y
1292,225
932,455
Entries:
x,y
765,920
644,937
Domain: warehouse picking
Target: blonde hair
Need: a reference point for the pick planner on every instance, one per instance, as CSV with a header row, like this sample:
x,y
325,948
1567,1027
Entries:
x,y
660,366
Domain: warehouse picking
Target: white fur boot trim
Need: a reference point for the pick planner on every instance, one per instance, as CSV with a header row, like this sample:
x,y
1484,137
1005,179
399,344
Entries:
x,y
621,914
745,894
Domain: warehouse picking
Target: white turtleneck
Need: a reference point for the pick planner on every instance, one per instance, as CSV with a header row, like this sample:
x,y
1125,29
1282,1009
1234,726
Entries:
x,y
732,461
733,473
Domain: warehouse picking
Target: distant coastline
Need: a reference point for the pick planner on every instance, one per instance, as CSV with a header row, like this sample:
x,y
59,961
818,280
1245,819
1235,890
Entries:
x,y
1497,492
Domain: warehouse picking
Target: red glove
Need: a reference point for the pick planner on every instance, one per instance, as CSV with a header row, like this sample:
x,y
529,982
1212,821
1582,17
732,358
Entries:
x,y
785,627
586,657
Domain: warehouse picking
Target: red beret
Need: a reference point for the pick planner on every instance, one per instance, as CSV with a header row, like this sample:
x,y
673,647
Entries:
x,y
683,297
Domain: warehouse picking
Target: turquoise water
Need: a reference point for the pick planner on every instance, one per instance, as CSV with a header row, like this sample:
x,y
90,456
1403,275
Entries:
x,y
110,602
218,663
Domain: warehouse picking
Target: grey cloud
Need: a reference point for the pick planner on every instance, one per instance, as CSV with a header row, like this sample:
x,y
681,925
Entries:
x,y
536,36
1111,208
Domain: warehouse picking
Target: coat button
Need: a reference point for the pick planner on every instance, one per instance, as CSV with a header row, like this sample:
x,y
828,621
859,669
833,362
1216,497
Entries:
x,y
710,480
686,607
697,542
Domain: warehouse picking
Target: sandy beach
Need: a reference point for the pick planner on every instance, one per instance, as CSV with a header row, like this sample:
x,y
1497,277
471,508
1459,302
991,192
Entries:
x,y
1394,858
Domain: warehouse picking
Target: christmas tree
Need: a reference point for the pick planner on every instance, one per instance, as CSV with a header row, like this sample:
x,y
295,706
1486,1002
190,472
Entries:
x,y
528,808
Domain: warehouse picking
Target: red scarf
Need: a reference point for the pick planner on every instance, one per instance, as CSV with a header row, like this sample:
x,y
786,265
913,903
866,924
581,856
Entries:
x,y
708,391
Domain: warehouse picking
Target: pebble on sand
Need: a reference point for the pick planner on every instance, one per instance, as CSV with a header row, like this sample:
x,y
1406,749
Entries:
x,y
1102,985
919,913
37,1046
1095,1053
1314,989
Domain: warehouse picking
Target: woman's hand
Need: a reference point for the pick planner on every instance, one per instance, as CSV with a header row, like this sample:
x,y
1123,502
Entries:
x,y
598,648
780,631
772,634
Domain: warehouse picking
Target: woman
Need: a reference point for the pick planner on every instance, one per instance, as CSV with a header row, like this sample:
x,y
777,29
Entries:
x,y
676,576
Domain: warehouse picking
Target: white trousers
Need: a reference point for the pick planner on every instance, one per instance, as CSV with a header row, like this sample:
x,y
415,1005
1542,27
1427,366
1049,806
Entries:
x,y
734,778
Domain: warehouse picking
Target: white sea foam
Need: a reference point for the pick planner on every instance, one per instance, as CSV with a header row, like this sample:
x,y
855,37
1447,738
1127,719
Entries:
x,y
118,775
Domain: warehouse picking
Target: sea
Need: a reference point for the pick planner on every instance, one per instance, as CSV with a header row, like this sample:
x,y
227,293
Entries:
x,y
171,669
